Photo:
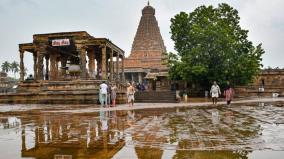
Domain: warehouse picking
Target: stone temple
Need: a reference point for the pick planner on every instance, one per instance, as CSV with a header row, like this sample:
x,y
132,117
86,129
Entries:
x,y
147,53
68,68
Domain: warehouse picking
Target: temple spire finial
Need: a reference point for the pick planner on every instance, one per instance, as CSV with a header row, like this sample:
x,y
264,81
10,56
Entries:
x,y
148,3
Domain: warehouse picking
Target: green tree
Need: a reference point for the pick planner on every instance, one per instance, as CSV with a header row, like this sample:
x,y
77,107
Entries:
x,y
6,66
15,68
211,45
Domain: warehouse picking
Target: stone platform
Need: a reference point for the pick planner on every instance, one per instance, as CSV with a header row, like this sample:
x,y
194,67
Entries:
x,y
60,92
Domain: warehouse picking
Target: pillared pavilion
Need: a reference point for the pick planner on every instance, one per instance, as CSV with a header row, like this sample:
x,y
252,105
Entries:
x,y
68,68
70,55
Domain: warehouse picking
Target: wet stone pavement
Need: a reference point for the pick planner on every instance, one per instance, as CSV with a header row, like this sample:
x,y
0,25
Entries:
x,y
241,131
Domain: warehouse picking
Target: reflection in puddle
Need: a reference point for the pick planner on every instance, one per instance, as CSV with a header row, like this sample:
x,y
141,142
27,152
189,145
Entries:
x,y
229,132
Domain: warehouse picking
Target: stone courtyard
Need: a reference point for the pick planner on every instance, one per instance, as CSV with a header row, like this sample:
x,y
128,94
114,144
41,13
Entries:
x,y
246,129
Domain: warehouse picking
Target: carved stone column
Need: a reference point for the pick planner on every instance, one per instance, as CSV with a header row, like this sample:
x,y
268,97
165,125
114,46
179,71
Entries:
x,y
46,67
111,65
117,66
122,69
91,55
132,77
99,66
36,137
22,66
63,61
53,71
140,77
104,70
41,54
82,51
40,66
35,65
57,68
24,147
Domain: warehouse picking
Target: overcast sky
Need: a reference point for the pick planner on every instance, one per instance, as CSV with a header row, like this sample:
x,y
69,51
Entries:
x,y
118,21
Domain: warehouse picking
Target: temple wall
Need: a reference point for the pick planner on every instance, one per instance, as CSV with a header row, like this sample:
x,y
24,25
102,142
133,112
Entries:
x,y
271,80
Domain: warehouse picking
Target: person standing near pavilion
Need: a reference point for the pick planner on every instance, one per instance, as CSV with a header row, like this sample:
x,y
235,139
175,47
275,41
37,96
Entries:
x,y
113,94
215,92
103,94
130,94
109,94
228,93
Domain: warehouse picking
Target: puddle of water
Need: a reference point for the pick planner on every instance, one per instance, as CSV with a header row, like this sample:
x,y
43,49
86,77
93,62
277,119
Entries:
x,y
235,132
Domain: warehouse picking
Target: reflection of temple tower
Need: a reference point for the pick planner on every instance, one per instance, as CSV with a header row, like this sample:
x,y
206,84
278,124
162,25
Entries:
x,y
147,48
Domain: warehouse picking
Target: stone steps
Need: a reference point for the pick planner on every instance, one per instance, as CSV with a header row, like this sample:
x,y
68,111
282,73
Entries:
x,y
155,97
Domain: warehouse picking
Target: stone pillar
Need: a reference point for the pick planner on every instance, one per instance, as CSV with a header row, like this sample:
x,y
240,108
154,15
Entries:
x,y
40,65
53,71
24,147
22,66
132,77
36,137
82,51
111,65
35,65
94,66
140,77
46,67
56,67
104,70
122,69
63,61
113,68
91,55
117,66
99,67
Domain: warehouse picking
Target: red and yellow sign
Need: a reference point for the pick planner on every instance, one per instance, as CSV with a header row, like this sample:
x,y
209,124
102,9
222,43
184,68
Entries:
x,y
60,42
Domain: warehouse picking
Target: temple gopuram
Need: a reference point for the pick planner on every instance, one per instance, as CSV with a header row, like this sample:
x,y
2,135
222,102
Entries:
x,y
145,63
68,68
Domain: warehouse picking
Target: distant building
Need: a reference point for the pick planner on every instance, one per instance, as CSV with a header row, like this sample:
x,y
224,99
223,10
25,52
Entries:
x,y
267,83
147,53
6,83
270,78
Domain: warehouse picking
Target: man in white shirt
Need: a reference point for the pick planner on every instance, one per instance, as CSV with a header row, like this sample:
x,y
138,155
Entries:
x,y
215,92
103,94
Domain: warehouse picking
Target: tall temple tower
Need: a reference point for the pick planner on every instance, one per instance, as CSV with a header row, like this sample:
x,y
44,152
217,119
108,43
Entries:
x,y
148,48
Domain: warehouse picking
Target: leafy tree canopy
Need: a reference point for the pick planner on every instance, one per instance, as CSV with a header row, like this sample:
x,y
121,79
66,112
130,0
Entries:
x,y
211,45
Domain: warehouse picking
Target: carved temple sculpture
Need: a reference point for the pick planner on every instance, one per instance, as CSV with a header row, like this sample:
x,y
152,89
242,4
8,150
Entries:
x,y
63,56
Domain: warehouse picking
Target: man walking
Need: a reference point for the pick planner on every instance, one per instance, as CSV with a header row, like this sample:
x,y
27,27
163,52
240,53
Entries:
x,y
215,91
103,94
130,94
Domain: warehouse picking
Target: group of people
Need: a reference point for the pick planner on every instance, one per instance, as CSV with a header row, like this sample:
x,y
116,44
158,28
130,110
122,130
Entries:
x,y
215,92
107,94
140,87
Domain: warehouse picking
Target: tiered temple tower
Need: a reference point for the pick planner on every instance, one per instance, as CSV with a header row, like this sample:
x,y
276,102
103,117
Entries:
x,y
147,49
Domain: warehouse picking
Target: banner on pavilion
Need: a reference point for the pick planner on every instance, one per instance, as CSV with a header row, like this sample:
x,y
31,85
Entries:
x,y
60,42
